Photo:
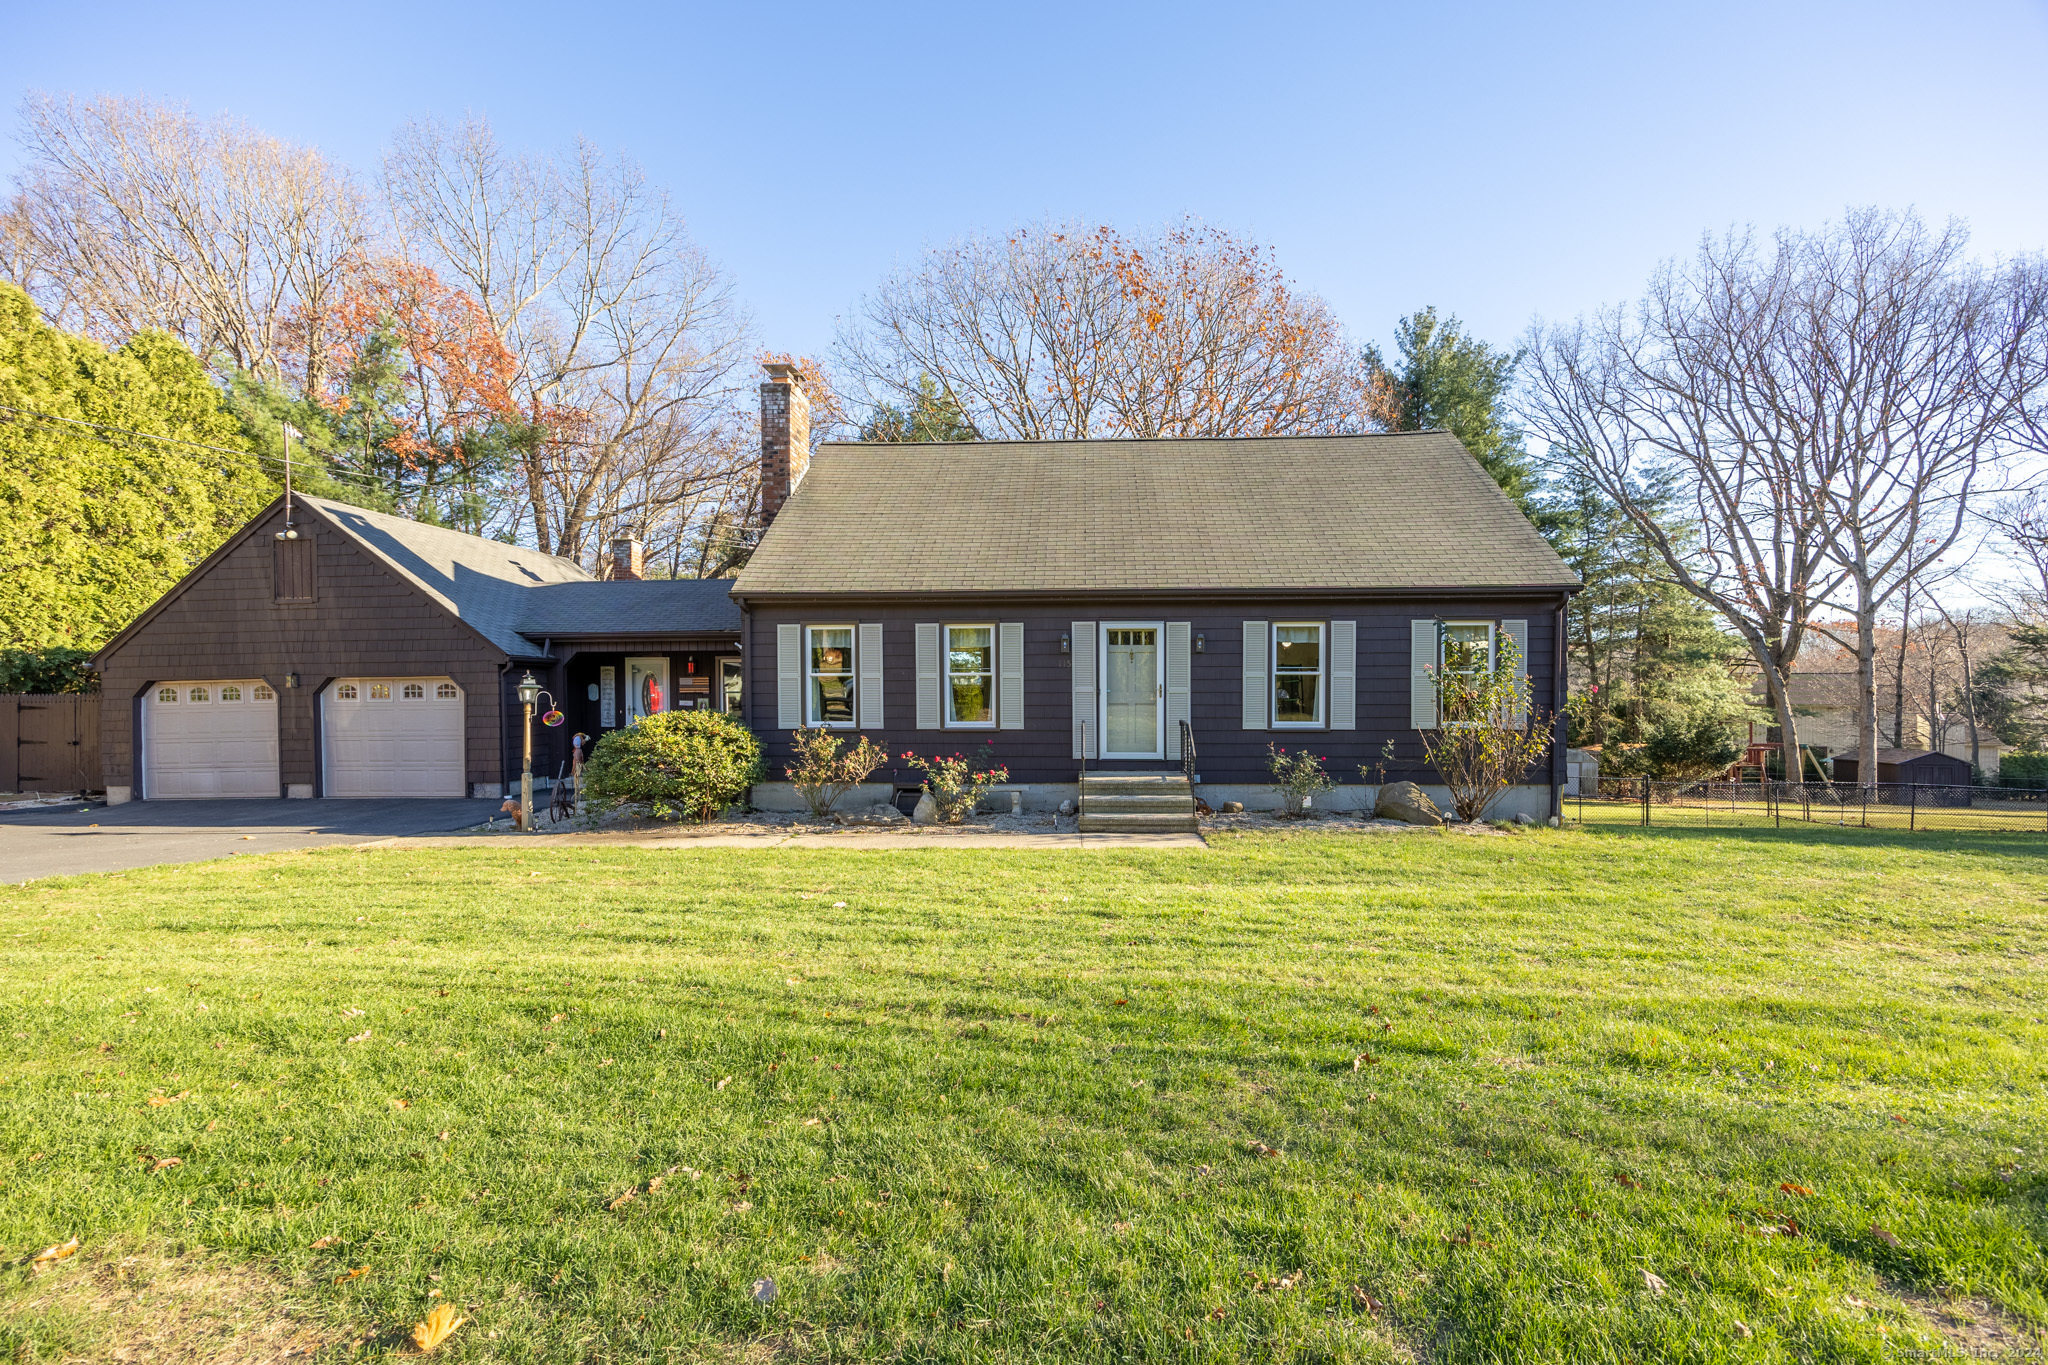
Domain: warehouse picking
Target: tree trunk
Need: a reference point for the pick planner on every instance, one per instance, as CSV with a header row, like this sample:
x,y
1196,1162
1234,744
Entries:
x,y
1866,693
1899,677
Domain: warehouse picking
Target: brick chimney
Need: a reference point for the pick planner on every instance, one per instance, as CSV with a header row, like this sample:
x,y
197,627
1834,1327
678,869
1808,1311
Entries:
x,y
785,437
628,558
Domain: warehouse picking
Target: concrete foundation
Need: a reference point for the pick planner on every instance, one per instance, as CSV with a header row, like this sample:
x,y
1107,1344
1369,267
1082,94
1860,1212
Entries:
x,y
1532,801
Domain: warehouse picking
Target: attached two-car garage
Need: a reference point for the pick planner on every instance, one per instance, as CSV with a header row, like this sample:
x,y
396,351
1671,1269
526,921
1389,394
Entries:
x,y
380,737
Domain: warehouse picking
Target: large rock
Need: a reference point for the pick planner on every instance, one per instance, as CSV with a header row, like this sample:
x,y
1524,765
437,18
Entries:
x,y
926,812
1408,803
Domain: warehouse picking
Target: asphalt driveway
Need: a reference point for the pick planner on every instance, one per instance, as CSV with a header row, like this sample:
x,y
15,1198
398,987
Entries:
x,y
55,841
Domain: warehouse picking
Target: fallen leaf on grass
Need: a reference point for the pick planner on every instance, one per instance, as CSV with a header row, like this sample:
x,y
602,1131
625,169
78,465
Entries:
x,y
439,1326
1889,1239
1742,1330
401,1104
164,1163
812,1123
1365,1302
1628,1182
326,1242
1260,1149
1466,1238
621,1201
1790,1188
655,1183
158,1101
362,1037
742,1206
442,1136
1287,1281
1364,1059
355,1274
57,1252
1855,1302
724,1083
1653,1283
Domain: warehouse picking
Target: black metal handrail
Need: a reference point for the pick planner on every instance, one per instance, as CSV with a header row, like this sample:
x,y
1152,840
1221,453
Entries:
x,y
1187,752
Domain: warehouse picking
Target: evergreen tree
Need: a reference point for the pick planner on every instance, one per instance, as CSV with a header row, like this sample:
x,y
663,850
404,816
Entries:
x,y
1446,380
933,415
1657,683
95,522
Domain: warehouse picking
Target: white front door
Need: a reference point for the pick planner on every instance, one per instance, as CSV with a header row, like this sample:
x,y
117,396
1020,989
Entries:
x,y
1133,690
209,739
392,737
646,688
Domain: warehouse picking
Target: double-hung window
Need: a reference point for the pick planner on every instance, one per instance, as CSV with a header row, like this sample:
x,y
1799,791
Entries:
x,y
970,676
1467,648
828,654
1298,673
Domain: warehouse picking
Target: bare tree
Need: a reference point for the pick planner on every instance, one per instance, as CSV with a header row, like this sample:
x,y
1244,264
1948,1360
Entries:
x,y
629,344
1833,402
1658,397
1908,369
130,215
1064,332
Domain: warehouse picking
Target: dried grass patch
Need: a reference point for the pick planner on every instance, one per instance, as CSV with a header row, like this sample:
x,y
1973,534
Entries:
x,y
196,1308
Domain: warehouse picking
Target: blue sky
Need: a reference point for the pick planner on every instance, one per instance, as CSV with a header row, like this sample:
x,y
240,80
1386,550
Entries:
x,y
1499,161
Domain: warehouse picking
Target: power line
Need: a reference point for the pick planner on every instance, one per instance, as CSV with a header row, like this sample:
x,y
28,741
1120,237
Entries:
x,y
190,445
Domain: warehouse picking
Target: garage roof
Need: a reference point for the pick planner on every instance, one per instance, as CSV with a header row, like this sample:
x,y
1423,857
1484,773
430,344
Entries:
x,y
517,598
669,606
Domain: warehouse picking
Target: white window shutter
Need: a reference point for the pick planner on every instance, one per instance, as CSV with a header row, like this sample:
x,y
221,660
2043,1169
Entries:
x,y
870,652
1179,675
1010,675
1422,641
1258,683
789,677
1518,631
927,676
1343,675
1085,745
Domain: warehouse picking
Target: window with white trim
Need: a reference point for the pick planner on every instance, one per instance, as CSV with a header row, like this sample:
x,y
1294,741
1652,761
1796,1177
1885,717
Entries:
x,y
1297,674
200,694
445,692
414,692
166,695
828,664
231,693
345,692
971,677
1464,648
380,691
262,693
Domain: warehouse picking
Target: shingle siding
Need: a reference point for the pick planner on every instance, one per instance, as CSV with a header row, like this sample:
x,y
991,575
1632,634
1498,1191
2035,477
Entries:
x,y
366,621
1228,753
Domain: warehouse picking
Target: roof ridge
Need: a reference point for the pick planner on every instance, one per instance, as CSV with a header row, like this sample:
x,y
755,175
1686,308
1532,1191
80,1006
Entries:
x,y
1146,440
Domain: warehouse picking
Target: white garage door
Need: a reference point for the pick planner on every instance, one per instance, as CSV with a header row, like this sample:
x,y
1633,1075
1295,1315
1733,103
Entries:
x,y
393,737
209,739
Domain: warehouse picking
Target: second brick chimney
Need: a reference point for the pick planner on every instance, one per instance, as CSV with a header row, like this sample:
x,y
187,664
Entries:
x,y
628,558
785,437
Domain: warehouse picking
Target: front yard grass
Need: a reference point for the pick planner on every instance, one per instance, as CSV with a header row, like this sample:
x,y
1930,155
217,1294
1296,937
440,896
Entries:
x,y
1581,1095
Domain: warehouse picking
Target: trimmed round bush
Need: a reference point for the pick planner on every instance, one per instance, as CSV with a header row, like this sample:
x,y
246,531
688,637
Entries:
x,y
680,765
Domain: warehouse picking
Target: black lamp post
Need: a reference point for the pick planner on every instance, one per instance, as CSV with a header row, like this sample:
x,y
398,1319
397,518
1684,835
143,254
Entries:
x,y
529,693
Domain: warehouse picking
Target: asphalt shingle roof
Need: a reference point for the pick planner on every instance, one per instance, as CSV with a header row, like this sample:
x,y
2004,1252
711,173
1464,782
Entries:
x,y
1412,510
516,597
674,606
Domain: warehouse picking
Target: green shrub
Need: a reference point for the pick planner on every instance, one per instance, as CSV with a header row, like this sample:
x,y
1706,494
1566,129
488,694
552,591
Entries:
x,y
682,764
822,774
2023,770
56,669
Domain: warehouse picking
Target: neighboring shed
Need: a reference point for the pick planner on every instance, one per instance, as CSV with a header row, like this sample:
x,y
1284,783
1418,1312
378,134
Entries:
x,y
1920,767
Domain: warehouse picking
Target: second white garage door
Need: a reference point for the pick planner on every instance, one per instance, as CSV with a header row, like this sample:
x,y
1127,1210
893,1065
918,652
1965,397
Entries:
x,y
392,737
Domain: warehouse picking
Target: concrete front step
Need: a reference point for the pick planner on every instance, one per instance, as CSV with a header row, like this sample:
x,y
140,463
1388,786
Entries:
x,y
1137,803
1137,824
1147,804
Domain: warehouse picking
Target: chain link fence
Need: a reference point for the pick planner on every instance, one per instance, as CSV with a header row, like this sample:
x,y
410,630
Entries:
x,y
1774,805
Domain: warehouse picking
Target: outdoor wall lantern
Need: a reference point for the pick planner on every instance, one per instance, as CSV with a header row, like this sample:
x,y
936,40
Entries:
x,y
529,689
1066,643
1200,643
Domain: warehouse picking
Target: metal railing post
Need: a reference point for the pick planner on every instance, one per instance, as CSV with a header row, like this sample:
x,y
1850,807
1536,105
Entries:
x,y
1912,806
1646,803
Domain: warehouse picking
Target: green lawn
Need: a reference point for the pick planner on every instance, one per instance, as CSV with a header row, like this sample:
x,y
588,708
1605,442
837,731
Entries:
x,y
1011,1106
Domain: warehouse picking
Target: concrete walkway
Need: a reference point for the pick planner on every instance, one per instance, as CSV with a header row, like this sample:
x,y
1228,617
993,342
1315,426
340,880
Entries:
x,y
937,838
58,841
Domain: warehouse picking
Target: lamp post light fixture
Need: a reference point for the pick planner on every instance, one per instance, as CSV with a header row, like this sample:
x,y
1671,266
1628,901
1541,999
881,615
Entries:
x,y
529,693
